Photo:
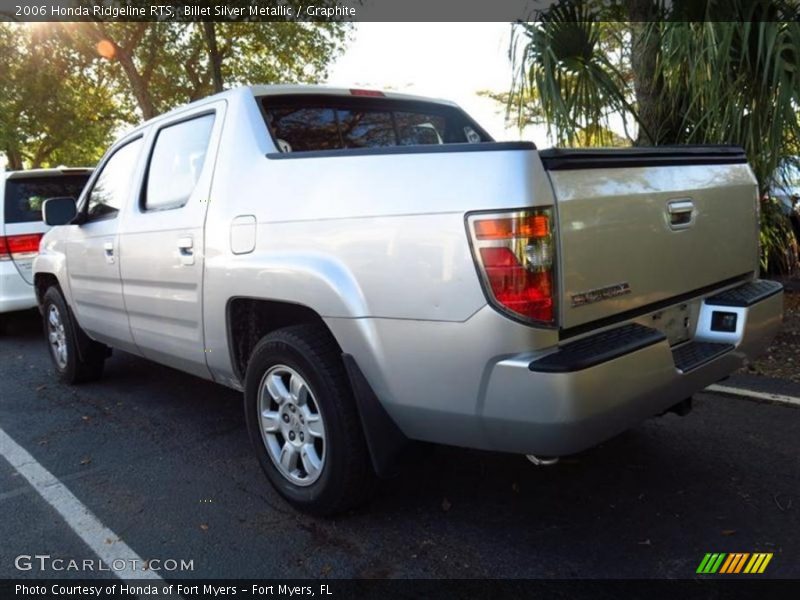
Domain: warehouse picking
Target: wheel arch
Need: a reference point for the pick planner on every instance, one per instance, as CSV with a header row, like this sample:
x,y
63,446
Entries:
x,y
250,319
42,282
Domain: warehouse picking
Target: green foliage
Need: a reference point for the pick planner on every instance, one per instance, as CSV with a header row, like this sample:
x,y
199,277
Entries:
x,y
54,107
733,82
67,88
521,112
569,66
779,246
164,65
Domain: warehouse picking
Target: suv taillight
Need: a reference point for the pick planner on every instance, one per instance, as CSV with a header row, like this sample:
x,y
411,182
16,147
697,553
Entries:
x,y
515,255
19,246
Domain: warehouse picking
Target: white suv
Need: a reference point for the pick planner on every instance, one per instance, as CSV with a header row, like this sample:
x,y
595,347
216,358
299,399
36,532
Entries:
x,y
21,227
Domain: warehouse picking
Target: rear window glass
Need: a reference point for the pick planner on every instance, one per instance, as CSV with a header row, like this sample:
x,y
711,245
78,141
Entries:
x,y
415,129
24,197
366,128
303,129
302,124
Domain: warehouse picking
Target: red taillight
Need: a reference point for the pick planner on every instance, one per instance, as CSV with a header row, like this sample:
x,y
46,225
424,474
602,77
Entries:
x,y
19,246
515,254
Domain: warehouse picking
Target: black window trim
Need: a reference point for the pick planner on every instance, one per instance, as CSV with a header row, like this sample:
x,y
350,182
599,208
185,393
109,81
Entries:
x,y
392,150
183,119
84,209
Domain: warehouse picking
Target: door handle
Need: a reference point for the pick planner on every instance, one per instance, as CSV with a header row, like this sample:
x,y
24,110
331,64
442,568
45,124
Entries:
x,y
681,213
108,250
186,250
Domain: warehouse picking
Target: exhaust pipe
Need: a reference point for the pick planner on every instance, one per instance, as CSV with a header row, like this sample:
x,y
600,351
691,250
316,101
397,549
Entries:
x,y
542,461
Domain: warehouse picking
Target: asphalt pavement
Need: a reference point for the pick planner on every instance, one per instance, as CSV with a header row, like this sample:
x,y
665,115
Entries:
x,y
163,460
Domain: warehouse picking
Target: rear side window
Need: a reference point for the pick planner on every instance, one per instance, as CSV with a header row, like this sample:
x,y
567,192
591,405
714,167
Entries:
x,y
178,157
24,197
308,123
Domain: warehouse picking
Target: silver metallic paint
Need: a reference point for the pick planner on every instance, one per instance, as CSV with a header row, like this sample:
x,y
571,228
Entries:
x,y
377,246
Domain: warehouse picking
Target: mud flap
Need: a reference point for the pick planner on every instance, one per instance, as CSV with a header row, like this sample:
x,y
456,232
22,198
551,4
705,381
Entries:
x,y
389,448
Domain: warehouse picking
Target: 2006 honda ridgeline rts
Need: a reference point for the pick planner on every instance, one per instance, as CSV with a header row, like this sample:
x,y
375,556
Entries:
x,y
372,268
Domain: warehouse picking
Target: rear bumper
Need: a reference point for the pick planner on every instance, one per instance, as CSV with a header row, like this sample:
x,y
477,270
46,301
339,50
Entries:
x,y
15,292
548,407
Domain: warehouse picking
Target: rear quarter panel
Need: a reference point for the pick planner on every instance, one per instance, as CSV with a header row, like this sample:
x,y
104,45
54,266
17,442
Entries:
x,y
353,237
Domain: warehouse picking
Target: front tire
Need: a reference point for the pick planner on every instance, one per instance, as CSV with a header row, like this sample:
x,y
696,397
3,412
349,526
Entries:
x,y
303,422
63,335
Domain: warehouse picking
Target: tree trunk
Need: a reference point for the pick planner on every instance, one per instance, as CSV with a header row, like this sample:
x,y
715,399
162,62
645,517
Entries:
x,y
13,159
138,84
214,57
42,153
645,48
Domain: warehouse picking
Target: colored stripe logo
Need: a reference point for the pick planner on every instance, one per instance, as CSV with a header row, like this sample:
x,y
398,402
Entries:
x,y
734,563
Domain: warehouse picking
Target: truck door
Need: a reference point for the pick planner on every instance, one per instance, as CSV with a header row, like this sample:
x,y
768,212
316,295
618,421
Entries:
x,y
92,249
162,247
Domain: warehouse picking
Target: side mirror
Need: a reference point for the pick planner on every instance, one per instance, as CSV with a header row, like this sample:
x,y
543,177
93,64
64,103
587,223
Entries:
x,y
59,211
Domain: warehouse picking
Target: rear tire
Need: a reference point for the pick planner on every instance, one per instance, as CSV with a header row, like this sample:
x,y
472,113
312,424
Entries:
x,y
63,335
303,422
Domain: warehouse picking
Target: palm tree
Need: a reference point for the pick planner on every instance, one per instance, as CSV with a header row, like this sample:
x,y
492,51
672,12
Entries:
x,y
729,75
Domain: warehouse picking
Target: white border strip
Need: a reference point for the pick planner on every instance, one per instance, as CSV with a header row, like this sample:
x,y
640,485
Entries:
x,y
779,398
104,543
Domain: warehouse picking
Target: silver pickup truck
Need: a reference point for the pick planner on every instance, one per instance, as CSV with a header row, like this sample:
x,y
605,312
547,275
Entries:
x,y
372,269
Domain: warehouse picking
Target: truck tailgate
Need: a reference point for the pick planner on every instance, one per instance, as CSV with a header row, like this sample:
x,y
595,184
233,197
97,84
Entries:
x,y
641,226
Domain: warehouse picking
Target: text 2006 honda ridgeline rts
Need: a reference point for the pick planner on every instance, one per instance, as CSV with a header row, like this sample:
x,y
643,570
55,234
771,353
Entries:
x,y
372,268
